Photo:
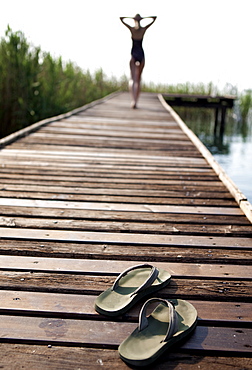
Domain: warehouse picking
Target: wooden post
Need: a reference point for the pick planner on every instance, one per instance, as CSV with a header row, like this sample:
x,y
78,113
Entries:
x,y
216,120
223,117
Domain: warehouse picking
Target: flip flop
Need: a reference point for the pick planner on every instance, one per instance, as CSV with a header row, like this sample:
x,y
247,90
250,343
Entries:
x,y
130,286
170,322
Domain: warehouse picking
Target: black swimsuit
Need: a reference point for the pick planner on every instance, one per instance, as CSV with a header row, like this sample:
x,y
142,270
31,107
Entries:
x,y
137,50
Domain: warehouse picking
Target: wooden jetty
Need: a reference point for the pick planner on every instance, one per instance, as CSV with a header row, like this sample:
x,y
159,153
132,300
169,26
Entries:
x,y
217,102
89,193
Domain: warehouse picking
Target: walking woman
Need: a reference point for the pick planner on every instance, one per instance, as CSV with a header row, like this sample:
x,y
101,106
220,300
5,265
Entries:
x,y
137,54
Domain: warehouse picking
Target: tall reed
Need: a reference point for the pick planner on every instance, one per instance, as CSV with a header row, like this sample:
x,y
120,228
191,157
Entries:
x,y
245,104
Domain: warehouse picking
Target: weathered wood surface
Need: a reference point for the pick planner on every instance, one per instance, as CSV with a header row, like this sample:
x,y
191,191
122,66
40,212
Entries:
x,y
88,194
59,357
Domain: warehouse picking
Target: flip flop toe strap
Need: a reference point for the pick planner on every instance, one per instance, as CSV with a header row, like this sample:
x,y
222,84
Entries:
x,y
151,278
172,316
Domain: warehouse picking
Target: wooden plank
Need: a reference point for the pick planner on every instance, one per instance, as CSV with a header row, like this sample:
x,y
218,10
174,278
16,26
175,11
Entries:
x,y
179,199
222,290
137,123
98,140
176,184
135,159
74,305
115,125
71,215
172,172
120,207
156,227
192,196
99,171
114,193
174,241
233,255
107,155
91,266
170,184
123,238
156,149
126,123
109,131
111,334
15,356
173,201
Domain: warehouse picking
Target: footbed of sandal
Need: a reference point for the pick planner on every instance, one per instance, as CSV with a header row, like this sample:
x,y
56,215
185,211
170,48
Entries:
x,y
170,322
130,286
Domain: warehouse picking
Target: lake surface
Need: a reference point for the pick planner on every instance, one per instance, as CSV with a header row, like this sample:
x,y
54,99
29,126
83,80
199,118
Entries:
x,y
233,151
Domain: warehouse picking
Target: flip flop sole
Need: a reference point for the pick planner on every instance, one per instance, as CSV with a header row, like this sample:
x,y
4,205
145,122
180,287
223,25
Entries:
x,y
142,348
117,302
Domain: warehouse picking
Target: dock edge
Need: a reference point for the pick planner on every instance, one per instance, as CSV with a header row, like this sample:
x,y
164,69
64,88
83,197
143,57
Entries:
x,y
239,197
35,126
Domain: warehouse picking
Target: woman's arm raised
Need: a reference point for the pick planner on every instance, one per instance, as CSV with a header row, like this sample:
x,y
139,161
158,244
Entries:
x,y
125,24
153,20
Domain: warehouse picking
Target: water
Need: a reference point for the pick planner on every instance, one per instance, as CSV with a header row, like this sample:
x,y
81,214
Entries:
x,y
233,151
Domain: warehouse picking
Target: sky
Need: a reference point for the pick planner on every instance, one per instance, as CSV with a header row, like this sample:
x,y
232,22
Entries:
x,y
191,41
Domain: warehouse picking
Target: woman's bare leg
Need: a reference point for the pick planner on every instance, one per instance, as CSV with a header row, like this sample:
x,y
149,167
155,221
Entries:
x,y
136,72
